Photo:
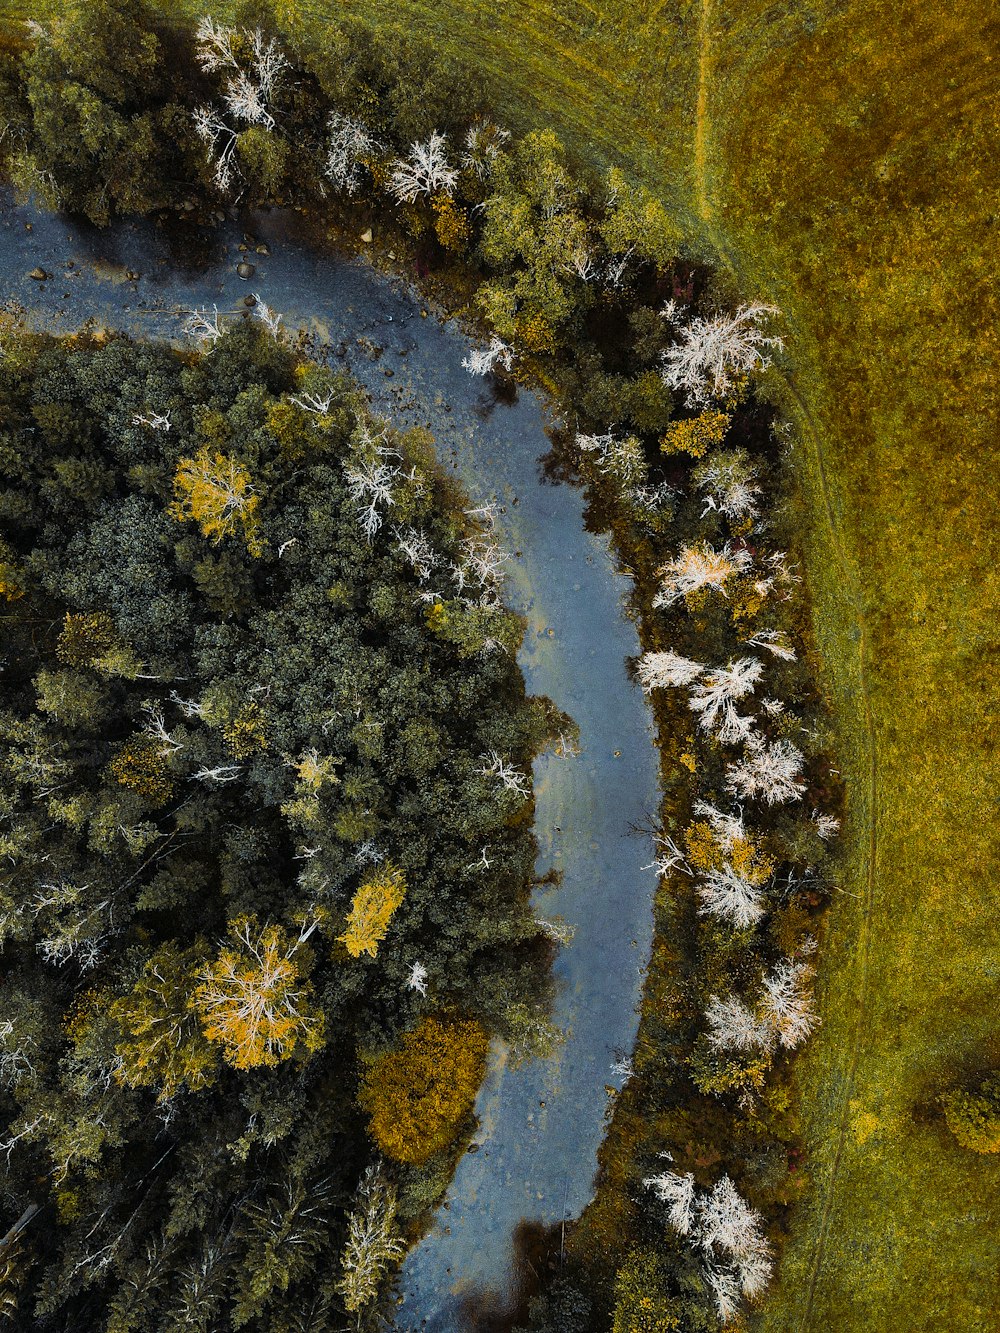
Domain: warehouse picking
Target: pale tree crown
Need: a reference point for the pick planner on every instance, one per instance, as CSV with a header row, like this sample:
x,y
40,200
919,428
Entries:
x,y
713,699
698,567
714,353
350,144
484,360
768,771
667,669
426,171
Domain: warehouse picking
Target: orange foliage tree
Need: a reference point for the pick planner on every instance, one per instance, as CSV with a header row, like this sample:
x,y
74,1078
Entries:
x,y
418,1095
372,909
217,493
255,999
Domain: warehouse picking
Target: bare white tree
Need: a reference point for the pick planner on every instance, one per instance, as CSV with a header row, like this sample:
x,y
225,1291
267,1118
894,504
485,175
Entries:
x,y
726,1222
663,670
622,1066
788,1002
728,482
670,857
727,894
557,930
698,567
493,765
714,698
713,353
350,144
267,316
373,1241
827,826
221,773
483,566
725,1287
727,1232
371,482
769,771
615,268
754,1272
621,459
220,140
417,980
316,403
426,171
189,707
775,641
582,263
484,142
154,420
156,729
16,1058
484,360
367,853
214,45
202,325
733,1026
677,1191
728,828
416,547
252,69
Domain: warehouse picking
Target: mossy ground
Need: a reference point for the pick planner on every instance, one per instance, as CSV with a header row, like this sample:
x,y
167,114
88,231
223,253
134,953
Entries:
x,y
841,157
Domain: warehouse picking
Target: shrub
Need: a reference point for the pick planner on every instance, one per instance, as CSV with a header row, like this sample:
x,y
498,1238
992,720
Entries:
x,y
974,1117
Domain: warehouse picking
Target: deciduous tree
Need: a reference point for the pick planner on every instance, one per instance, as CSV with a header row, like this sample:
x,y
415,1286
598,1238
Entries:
x,y
255,999
418,1095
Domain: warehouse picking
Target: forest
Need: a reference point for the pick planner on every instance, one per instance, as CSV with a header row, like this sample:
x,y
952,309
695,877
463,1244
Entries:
x,y
261,720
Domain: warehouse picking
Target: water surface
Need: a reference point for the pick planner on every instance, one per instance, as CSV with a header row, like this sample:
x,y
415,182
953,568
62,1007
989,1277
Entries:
x,y
541,1123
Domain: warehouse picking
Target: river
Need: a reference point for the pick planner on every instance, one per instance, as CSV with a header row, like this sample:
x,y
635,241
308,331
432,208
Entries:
x,y
540,1123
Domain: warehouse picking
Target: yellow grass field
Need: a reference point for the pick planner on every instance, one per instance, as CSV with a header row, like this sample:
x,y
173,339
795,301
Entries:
x,y
840,158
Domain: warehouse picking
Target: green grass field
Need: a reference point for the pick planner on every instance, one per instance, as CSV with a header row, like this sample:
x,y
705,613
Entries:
x,y
841,158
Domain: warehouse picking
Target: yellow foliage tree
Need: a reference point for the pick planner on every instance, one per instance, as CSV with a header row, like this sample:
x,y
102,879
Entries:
x,y
372,909
418,1096
255,1000
141,766
696,435
217,493
450,222
162,1044
90,639
641,1305
11,585
85,637
743,852
246,732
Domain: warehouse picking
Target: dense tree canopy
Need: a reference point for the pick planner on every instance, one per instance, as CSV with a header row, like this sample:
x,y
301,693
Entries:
x,y
258,681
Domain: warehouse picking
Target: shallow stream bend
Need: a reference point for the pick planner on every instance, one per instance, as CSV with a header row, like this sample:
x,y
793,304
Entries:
x,y
540,1124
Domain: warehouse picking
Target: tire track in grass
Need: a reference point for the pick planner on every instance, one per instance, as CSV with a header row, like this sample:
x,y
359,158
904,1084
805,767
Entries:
x,y
704,204
855,594
856,598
